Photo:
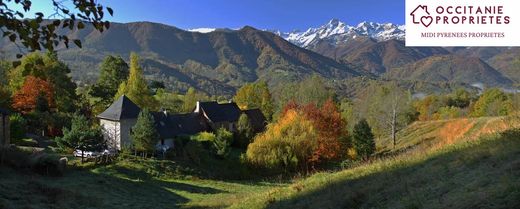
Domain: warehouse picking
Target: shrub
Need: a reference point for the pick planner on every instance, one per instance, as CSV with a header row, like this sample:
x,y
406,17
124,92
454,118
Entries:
x,y
36,161
195,152
18,127
204,136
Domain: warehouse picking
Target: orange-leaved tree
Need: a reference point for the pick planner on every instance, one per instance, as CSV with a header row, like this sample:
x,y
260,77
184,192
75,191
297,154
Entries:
x,y
26,99
330,127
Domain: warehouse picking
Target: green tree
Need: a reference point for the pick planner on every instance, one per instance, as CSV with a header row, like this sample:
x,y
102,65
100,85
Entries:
x,y
169,101
113,72
222,142
363,139
37,34
493,102
136,88
191,98
245,131
144,135
47,67
388,108
312,90
82,136
18,126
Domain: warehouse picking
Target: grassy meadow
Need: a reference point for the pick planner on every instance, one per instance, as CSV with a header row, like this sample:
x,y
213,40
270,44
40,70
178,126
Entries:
x,y
474,174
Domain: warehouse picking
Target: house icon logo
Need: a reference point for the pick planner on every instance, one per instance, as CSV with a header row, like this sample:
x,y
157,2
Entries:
x,y
420,15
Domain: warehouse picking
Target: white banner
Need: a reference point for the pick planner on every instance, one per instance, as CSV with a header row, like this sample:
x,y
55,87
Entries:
x,y
463,23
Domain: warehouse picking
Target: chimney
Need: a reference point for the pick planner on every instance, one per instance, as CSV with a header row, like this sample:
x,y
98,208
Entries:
x,y
165,112
197,107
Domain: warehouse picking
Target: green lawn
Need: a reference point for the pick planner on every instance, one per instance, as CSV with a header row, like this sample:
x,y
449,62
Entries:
x,y
126,184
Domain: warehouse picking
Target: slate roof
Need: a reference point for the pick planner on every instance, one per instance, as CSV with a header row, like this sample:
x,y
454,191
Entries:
x,y
170,126
257,119
121,109
221,112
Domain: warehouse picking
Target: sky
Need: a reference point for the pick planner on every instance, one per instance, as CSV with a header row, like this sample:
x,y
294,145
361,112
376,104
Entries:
x,y
284,15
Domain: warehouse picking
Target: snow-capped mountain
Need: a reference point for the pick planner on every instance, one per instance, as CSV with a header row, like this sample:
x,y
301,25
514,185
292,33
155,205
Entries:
x,y
209,30
337,32
334,32
202,30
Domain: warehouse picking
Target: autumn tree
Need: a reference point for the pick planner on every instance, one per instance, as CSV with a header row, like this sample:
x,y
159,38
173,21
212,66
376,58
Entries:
x,y
286,145
330,127
47,67
363,139
136,87
255,95
26,99
428,107
144,135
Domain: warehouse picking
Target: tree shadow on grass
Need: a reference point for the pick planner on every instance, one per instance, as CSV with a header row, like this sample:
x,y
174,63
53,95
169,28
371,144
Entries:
x,y
145,177
82,188
483,175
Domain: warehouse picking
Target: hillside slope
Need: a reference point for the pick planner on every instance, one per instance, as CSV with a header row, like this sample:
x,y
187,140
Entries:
x,y
216,62
479,173
450,68
379,57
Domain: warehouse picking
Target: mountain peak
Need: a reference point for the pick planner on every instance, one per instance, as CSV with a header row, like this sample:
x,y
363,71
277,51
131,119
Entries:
x,y
337,32
333,21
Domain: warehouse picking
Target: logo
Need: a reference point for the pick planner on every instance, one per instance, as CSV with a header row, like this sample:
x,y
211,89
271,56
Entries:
x,y
419,18
462,23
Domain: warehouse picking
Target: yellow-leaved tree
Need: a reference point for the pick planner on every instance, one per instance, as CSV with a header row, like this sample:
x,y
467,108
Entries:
x,y
286,145
136,88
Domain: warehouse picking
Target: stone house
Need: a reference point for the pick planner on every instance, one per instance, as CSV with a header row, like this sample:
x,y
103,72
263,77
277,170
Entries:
x,y
117,121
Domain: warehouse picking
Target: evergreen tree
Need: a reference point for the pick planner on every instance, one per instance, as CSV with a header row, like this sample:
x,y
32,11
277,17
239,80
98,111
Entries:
x,y
363,139
245,131
144,135
136,88
82,136
222,142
